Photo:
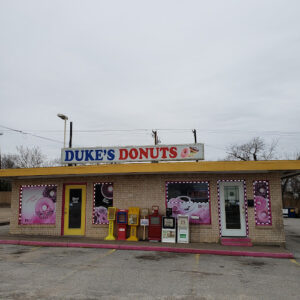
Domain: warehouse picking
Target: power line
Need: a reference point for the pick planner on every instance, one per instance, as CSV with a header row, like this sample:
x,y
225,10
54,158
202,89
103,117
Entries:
x,y
28,133
141,131
173,130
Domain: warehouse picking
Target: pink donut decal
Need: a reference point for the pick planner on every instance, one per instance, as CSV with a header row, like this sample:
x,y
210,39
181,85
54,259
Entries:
x,y
189,198
262,204
183,205
262,216
103,198
185,152
100,215
44,208
38,204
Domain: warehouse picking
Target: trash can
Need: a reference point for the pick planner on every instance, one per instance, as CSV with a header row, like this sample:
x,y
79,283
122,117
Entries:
x,y
292,212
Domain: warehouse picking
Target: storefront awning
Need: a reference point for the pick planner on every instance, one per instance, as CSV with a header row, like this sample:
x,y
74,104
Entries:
x,y
285,167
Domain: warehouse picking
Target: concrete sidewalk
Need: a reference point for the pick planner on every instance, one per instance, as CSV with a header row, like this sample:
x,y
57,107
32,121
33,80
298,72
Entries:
x,y
196,248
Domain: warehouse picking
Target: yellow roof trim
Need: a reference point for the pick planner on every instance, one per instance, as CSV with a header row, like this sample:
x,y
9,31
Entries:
x,y
148,168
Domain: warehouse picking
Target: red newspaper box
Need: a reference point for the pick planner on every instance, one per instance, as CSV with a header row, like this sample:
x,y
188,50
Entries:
x,y
122,216
154,230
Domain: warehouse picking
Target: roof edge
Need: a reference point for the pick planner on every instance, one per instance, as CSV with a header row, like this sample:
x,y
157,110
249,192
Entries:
x,y
162,167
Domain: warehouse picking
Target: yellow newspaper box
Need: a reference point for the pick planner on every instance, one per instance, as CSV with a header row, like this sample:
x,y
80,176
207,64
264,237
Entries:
x,y
133,222
111,216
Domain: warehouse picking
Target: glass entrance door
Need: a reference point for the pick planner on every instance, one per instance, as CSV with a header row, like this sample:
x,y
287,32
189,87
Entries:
x,y
74,220
232,209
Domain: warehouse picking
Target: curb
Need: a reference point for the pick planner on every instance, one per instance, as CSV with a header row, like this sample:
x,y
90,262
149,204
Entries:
x,y
148,248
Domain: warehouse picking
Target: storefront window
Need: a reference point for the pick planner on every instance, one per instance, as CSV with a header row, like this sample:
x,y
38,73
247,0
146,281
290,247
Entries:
x,y
262,204
191,199
103,198
37,204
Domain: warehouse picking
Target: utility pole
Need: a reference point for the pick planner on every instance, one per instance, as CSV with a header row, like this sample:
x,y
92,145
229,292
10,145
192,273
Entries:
x,y
195,138
195,135
71,134
154,134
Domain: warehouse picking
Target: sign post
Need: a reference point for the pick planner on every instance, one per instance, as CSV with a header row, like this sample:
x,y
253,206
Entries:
x,y
144,221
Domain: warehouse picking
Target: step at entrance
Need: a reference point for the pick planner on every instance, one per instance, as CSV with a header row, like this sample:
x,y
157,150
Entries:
x,y
241,242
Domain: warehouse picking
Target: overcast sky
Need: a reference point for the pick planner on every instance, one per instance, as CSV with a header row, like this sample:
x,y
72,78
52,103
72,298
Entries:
x,y
230,69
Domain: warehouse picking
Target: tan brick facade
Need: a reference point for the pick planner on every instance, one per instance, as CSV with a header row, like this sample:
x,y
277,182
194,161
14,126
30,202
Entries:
x,y
148,190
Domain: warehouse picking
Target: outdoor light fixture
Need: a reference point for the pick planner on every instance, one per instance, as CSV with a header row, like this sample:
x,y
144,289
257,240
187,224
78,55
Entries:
x,y
65,118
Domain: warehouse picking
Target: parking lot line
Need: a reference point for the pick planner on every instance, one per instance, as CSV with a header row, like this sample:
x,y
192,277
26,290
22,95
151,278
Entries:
x,y
109,252
195,267
35,248
295,262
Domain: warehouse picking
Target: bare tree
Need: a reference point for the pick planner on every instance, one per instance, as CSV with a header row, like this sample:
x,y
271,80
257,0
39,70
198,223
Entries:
x,y
53,163
29,157
25,158
290,186
255,149
8,161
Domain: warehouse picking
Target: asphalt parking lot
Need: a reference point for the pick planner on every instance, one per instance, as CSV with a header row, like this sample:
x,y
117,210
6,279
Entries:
x,y
80,273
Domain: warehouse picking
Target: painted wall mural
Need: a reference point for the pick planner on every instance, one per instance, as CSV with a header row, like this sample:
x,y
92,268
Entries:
x,y
262,203
37,204
103,198
191,199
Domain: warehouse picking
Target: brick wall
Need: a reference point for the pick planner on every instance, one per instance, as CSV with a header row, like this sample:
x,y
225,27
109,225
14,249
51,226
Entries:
x,y
5,198
147,190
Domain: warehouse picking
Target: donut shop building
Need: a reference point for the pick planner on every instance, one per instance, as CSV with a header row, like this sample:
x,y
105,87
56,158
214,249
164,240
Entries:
x,y
222,198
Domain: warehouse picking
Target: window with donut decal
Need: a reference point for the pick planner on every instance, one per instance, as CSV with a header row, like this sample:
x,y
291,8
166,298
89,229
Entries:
x,y
190,198
103,199
262,203
37,204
